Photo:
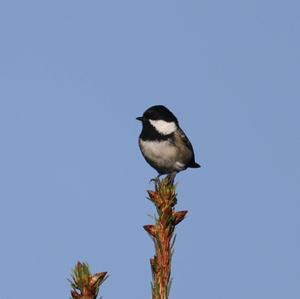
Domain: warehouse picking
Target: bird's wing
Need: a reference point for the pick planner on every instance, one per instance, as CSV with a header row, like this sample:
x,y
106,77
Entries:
x,y
184,139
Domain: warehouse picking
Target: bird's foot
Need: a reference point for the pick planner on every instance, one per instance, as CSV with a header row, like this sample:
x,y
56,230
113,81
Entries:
x,y
156,180
171,177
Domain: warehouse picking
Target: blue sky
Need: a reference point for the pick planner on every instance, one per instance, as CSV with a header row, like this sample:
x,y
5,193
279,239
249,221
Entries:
x,y
75,74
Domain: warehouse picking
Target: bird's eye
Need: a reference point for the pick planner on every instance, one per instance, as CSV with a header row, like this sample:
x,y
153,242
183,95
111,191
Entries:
x,y
149,115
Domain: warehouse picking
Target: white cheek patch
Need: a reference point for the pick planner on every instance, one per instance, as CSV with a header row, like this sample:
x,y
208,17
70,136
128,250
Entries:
x,y
163,127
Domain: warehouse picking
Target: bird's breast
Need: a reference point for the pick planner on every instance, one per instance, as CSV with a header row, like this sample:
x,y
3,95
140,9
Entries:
x,y
164,155
158,149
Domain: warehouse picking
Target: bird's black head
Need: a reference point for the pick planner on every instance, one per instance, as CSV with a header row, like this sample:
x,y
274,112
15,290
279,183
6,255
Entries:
x,y
158,123
158,112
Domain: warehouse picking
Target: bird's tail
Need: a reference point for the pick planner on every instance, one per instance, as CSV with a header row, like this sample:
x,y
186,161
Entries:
x,y
194,165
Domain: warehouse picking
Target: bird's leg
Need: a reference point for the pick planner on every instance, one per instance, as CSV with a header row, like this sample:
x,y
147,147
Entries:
x,y
171,177
156,179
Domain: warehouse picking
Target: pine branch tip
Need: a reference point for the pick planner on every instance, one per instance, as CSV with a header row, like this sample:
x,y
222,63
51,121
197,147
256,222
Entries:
x,y
84,284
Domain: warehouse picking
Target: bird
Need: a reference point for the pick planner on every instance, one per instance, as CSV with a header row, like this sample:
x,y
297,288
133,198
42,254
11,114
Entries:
x,y
163,143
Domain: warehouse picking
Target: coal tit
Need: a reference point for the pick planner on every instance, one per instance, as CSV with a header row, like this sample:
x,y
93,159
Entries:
x,y
163,143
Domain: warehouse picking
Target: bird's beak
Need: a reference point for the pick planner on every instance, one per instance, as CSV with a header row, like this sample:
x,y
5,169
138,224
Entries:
x,y
140,118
